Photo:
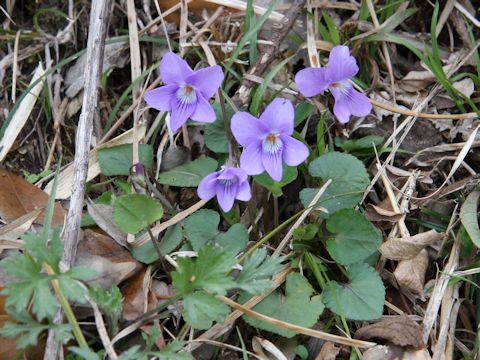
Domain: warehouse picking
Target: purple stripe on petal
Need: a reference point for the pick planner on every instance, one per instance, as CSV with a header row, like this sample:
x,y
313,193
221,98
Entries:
x,y
358,103
311,81
273,164
341,65
207,187
161,98
206,80
341,108
239,173
204,111
279,116
226,195
294,151
251,159
247,129
244,193
173,69
180,113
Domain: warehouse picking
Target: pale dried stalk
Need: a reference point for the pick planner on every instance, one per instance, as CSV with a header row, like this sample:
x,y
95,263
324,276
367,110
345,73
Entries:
x,y
439,290
298,329
218,330
163,226
102,330
302,217
93,71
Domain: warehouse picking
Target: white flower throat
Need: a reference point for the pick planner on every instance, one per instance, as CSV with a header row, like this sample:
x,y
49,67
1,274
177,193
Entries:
x,y
343,86
186,94
272,144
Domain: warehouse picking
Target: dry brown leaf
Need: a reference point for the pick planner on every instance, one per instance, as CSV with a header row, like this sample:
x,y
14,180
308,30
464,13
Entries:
x,y
329,352
392,352
259,344
16,228
400,330
103,216
410,274
111,261
138,297
18,197
377,213
408,247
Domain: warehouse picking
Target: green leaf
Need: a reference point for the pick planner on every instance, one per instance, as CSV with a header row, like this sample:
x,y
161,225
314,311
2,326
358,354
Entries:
x,y
147,254
200,310
290,173
302,111
215,134
305,232
135,212
297,306
110,302
201,227
257,98
118,160
360,145
208,271
469,217
189,175
361,299
85,353
234,240
44,302
257,272
72,289
355,237
349,181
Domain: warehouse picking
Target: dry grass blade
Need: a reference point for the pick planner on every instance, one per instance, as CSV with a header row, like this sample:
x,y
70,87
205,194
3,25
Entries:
x,y
298,329
302,217
21,116
64,189
163,226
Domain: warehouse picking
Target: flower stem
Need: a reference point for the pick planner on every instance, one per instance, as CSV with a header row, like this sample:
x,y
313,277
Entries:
x,y
67,309
232,148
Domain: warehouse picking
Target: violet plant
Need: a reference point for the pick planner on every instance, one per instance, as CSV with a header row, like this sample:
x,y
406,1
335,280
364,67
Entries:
x,y
336,77
186,92
268,140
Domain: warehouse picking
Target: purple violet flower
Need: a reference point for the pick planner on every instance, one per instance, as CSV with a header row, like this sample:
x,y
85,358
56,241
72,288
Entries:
x,y
267,140
186,92
336,78
228,184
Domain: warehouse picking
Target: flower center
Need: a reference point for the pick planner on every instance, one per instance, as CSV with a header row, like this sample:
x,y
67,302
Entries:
x,y
272,143
186,94
343,86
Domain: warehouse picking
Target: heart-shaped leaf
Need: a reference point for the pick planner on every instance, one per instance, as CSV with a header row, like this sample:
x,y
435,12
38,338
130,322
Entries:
x,y
361,299
355,237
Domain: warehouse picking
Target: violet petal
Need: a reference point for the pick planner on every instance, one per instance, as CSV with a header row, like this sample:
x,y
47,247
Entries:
x,y
279,116
161,98
204,111
226,195
247,129
311,81
341,65
206,80
272,162
180,113
358,103
173,69
341,108
251,159
294,151
244,193
207,187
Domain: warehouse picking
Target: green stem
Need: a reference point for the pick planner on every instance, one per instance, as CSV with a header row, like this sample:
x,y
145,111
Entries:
x,y
67,309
